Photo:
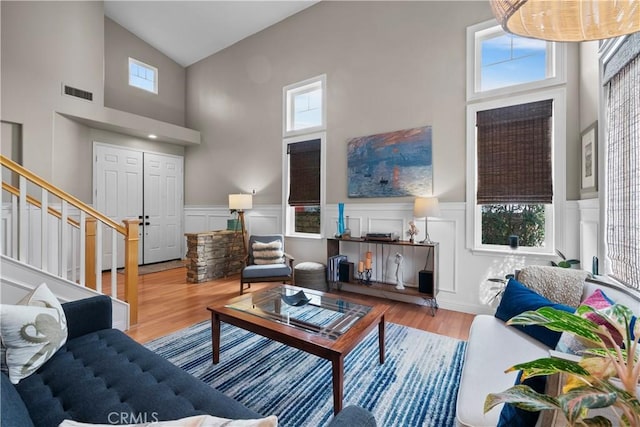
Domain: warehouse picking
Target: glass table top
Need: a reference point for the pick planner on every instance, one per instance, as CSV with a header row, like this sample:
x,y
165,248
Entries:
x,y
305,309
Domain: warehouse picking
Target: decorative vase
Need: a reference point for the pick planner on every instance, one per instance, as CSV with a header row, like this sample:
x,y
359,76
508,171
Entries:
x,y
340,218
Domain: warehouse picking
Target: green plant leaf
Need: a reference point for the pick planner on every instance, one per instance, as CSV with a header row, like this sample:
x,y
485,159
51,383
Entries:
x,y
523,397
560,321
564,264
598,421
575,403
548,366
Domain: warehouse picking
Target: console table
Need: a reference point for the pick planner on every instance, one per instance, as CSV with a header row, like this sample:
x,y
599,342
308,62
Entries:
x,y
427,287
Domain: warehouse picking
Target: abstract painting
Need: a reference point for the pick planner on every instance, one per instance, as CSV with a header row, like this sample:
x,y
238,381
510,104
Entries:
x,y
391,164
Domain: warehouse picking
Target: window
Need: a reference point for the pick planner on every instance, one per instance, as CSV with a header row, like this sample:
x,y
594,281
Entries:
x,y
143,76
501,63
515,188
622,77
304,157
305,106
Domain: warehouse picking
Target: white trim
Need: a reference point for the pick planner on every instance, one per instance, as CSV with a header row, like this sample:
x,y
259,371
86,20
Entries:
x,y
287,94
556,65
559,97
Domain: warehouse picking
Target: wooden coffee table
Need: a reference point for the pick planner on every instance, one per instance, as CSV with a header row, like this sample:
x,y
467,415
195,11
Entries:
x,y
328,325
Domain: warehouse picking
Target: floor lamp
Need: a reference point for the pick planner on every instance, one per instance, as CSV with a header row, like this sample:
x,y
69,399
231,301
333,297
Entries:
x,y
238,203
424,207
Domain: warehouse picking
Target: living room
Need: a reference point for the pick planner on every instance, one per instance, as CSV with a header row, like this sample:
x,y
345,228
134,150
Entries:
x,y
388,65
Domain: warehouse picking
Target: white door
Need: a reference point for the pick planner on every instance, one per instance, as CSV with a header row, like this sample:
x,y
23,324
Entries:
x,y
162,225
148,186
118,192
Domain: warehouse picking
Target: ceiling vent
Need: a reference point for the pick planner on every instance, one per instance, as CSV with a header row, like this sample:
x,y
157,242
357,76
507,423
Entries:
x,y
78,93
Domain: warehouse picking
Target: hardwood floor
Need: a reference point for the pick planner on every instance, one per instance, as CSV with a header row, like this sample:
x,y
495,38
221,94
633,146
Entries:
x,y
168,303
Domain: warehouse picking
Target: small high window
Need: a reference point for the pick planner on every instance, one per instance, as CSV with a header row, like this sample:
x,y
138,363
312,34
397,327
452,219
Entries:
x,y
305,106
500,63
143,76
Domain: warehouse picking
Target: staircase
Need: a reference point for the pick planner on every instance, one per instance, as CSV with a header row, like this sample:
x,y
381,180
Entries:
x,y
49,235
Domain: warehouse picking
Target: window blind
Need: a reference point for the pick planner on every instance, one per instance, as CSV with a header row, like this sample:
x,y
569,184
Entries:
x,y
623,174
304,173
514,154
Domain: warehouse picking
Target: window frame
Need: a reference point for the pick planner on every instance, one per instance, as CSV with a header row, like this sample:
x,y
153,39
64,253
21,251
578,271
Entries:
x,y
555,213
288,94
289,211
556,64
143,65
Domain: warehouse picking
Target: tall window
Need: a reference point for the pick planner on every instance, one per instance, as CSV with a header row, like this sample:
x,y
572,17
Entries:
x,y
143,76
515,134
304,164
622,75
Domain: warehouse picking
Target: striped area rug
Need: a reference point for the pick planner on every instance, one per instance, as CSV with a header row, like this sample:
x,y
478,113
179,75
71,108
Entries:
x,y
416,386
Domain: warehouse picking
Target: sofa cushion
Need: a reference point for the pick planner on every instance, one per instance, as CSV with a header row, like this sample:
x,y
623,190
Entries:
x,y
13,410
485,361
106,372
517,299
560,285
32,331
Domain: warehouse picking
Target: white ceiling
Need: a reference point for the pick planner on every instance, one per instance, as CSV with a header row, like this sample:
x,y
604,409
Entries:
x,y
188,31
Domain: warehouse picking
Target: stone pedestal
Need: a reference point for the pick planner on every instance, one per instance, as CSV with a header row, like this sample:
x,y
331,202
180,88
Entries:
x,y
213,254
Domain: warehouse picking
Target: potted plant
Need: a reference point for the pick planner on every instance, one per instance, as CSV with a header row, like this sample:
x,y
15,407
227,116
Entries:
x,y
605,376
565,263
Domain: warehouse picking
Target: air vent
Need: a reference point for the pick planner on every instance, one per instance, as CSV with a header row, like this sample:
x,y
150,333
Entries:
x,y
78,93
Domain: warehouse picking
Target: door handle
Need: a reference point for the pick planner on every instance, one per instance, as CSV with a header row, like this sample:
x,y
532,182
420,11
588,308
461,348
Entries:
x,y
139,216
145,217
147,223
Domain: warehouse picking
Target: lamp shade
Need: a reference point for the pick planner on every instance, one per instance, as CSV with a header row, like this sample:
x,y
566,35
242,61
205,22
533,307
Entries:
x,y
240,202
568,20
426,206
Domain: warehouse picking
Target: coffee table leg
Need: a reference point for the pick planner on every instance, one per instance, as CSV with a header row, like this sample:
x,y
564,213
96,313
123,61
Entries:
x,y
381,339
337,368
215,337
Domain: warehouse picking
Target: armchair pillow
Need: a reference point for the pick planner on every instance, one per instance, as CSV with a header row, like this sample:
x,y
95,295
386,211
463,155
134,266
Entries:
x,y
560,285
267,253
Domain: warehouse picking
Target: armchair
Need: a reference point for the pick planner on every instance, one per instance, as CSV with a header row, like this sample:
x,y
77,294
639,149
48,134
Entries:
x,y
266,261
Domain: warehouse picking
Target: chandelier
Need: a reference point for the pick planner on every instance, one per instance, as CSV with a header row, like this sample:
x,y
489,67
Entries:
x,y
568,20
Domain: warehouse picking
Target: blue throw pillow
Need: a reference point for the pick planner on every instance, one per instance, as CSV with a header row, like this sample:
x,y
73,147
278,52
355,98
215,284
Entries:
x,y
517,299
513,416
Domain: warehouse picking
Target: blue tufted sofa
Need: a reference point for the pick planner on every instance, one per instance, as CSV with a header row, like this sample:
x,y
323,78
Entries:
x,y
102,376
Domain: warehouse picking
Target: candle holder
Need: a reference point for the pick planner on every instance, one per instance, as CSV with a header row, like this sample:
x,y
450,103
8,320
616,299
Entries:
x,y
367,277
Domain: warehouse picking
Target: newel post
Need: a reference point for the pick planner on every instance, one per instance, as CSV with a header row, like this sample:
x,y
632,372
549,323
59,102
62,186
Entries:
x,y
131,268
90,253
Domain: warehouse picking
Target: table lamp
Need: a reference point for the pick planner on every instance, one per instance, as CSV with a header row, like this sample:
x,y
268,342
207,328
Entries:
x,y
424,207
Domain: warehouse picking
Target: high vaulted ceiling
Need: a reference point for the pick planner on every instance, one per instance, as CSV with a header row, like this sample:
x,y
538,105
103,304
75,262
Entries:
x,y
188,31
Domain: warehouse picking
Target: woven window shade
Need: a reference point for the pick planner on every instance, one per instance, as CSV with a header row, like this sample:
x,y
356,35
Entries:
x,y
304,173
623,174
514,154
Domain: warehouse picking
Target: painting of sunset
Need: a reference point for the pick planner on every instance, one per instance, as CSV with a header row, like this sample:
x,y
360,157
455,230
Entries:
x,y
391,164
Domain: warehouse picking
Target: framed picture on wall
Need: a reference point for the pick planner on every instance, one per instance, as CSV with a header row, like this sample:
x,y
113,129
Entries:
x,y
589,169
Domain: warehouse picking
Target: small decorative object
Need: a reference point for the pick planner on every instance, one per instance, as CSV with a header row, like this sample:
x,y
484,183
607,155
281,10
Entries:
x,y
298,299
565,263
346,234
390,164
413,230
513,241
365,269
399,273
589,175
594,266
340,219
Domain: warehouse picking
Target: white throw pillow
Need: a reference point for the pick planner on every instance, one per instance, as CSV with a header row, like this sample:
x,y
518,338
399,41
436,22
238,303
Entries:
x,y
32,331
557,284
196,421
267,253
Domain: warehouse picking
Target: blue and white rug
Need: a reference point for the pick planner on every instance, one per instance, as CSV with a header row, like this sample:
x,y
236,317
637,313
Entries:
x,y
416,386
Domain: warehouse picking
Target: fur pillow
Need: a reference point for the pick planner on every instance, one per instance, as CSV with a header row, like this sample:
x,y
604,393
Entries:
x,y
560,285
267,253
